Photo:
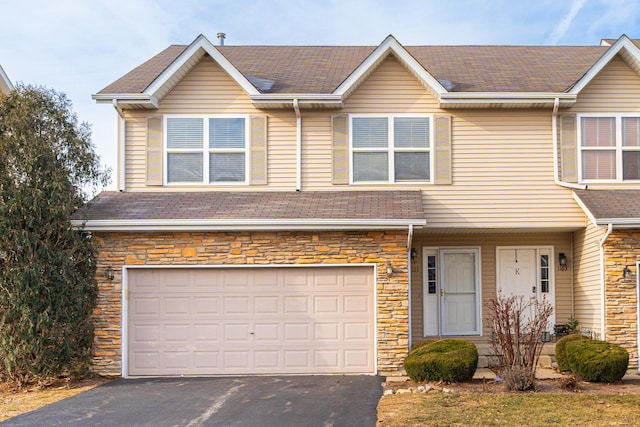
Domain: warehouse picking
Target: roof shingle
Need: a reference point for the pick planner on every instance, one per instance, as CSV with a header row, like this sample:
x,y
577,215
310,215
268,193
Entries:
x,y
321,69
611,204
254,206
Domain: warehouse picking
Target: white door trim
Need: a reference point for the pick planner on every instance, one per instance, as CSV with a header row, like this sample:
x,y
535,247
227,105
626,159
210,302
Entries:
x,y
124,312
638,309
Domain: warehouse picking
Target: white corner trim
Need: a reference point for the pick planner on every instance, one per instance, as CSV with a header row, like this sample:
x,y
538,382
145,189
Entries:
x,y
622,43
390,44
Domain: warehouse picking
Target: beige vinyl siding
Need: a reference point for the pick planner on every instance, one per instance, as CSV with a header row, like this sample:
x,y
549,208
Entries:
x,y
616,89
561,242
207,89
502,159
587,277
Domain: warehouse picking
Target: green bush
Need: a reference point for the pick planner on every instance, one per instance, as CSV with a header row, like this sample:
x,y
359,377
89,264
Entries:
x,y
443,360
597,361
421,343
561,350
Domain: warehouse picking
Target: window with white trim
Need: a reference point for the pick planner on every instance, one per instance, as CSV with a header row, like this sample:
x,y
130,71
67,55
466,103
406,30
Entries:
x,y
206,150
610,148
390,149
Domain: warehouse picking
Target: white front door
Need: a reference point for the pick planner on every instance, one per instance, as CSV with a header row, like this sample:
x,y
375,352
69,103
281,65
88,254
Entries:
x,y
460,292
527,272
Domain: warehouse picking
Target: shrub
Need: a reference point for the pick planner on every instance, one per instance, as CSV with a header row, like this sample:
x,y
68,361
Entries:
x,y
597,361
518,328
561,350
421,343
443,360
518,378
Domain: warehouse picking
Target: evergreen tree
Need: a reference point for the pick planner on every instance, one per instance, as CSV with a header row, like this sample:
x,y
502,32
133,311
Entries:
x,y
48,290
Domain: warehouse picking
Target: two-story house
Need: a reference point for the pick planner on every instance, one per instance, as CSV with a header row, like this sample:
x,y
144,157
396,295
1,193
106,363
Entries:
x,y
315,209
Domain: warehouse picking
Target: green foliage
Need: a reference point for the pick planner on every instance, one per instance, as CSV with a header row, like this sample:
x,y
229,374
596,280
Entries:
x,y
561,350
421,343
47,285
597,361
443,360
572,325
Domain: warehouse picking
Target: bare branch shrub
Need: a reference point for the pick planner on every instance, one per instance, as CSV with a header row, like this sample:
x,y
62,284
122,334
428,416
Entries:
x,y
518,327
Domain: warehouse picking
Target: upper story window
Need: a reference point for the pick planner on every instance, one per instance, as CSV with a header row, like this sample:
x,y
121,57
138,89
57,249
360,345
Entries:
x,y
390,149
610,148
206,150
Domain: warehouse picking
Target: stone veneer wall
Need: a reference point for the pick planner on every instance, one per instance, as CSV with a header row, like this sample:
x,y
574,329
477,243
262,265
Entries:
x,y
622,249
244,248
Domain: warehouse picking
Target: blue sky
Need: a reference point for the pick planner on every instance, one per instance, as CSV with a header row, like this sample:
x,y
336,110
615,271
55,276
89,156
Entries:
x,y
80,46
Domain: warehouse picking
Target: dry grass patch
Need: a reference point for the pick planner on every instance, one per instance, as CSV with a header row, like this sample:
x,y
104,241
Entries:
x,y
15,401
530,409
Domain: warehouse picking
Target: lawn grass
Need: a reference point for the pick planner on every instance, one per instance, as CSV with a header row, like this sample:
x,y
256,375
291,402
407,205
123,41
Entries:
x,y
522,409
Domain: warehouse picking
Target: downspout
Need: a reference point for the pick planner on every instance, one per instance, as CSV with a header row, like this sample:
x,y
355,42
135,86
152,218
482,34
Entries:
x,y
409,245
602,280
554,138
121,147
296,108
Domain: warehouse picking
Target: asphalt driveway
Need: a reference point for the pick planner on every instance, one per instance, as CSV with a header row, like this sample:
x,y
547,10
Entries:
x,y
306,401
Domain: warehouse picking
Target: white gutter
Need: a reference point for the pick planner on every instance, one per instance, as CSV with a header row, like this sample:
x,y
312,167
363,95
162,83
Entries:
x,y
554,138
244,224
603,281
409,244
121,146
296,108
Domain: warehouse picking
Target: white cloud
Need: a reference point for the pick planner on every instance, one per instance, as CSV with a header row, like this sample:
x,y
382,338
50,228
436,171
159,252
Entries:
x,y
561,29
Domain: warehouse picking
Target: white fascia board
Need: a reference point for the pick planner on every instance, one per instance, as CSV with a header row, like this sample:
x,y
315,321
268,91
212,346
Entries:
x,y
390,44
620,222
231,225
126,98
508,95
5,80
201,42
586,210
622,43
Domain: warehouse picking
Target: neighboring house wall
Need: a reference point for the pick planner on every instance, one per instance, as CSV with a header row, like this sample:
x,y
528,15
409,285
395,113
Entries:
x,y
561,242
257,248
622,249
587,277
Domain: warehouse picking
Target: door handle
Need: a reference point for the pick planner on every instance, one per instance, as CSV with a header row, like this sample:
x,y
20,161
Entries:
x,y
441,292
533,289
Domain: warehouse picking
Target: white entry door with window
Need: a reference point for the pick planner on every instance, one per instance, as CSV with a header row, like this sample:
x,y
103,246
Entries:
x,y
527,272
452,298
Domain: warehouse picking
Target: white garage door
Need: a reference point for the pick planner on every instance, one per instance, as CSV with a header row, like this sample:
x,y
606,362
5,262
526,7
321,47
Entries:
x,y
223,321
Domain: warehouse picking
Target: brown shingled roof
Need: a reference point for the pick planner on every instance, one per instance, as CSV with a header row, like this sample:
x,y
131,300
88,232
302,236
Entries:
x,y
254,206
611,204
321,69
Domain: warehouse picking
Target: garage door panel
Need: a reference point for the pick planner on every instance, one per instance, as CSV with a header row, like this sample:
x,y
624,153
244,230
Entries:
x,y
236,305
266,305
296,305
177,306
326,304
204,306
212,321
296,332
207,333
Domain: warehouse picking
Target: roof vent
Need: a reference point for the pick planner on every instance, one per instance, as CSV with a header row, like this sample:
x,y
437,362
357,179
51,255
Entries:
x,y
448,85
221,37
